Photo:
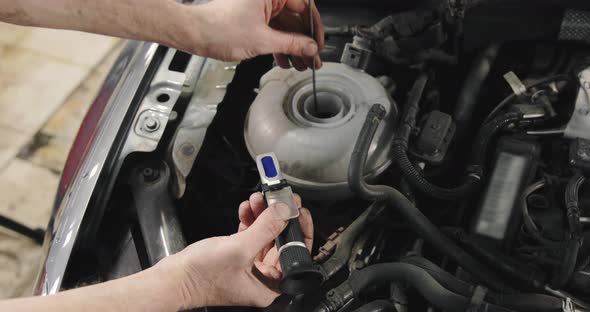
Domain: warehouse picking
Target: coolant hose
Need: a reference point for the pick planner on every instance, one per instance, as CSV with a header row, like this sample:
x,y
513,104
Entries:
x,y
472,84
387,273
377,306
533,302
564,272
400,149
417,221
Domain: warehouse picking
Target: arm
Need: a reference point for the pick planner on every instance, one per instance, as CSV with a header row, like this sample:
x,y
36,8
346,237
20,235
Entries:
x,y
237,270
216,29
149,290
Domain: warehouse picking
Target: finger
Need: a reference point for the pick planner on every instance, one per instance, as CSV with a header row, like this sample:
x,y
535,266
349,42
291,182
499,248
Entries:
x,y
257,204
290,43
262,255
242,227
262,232
318,62
268,275
268,270
297,6
297,200
298,63
282,60
306,222
272,258
318,27
245,214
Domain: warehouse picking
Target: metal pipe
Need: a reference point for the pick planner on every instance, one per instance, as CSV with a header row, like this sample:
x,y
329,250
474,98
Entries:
x,y
156,213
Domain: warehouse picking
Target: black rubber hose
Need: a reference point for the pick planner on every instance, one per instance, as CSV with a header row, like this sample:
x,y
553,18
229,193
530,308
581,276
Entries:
x,y
421,225
400,148
487,133
475,79
377,306
519,302
521,275
471,183
565,271
387,273
36,235
408,119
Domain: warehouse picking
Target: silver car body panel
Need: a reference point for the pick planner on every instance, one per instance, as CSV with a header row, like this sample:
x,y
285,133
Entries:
x,y
63,229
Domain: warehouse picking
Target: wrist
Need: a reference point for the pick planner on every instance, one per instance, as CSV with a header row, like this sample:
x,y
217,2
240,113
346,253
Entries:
x,y
186,28
179,283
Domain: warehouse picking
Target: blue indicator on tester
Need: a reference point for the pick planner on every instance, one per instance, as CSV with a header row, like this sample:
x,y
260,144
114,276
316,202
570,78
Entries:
x,y
269,166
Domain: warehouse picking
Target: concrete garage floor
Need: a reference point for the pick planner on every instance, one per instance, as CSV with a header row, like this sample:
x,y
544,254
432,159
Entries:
x,y
48,78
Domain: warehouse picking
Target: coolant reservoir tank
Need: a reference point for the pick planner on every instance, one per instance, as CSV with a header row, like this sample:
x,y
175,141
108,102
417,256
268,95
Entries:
x,y
314,143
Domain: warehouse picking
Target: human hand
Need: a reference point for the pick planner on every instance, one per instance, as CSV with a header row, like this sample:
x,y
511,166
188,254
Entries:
x,y
242,29
238,270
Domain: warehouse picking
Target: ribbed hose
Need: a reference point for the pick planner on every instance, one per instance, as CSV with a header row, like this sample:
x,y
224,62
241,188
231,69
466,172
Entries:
x,y
414,178
417,221
377,306
400,149
564,272
487,133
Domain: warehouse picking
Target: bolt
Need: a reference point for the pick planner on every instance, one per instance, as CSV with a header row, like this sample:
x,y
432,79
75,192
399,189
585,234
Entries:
x,y
187,149
151,124
583,111
150,175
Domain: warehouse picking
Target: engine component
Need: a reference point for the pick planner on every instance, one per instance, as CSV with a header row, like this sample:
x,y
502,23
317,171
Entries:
x,y
575,26
300,275
579,124
498,213
579,155
564,272
419,223
377,306
358,54
467,100
315,146
435,137
346,240
156,213
400,147
419,278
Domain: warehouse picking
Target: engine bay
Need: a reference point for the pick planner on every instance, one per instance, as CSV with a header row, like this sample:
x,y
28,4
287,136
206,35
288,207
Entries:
x,y
444,164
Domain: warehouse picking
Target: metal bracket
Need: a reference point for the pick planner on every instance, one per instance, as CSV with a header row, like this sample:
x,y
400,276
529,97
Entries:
x,y
579,124
155,110
211,86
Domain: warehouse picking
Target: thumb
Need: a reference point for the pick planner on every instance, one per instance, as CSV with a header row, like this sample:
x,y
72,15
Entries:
x,y
294,44
262,232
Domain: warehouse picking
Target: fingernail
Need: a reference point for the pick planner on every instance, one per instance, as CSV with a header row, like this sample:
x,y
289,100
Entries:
x,y
311,49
